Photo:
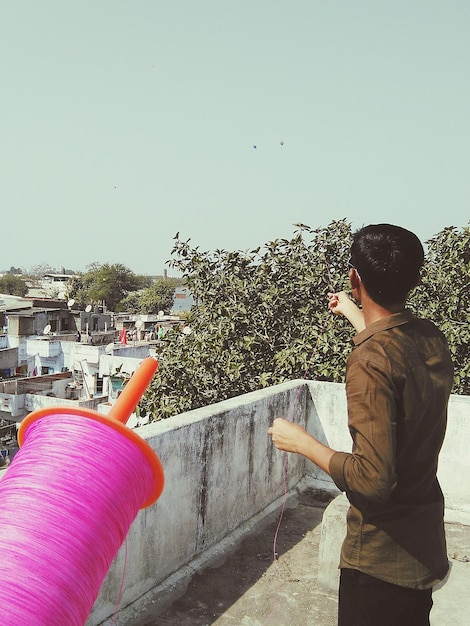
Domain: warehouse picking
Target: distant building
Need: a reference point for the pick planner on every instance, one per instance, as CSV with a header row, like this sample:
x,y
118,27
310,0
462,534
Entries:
x,y
183,300
36,334
57,279
50,285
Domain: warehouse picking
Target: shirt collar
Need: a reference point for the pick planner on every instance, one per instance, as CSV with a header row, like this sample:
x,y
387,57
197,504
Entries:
x,y
385,323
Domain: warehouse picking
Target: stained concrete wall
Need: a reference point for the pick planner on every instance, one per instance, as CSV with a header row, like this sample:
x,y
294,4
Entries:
x,y
223,475
8,357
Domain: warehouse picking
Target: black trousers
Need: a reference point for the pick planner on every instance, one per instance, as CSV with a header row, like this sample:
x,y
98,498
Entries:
x,y
367,601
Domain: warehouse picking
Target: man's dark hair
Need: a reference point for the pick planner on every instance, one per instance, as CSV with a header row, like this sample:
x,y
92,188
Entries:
x,y
388,259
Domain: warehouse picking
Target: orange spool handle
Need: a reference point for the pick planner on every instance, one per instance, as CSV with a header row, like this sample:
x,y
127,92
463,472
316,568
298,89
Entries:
x,y
133,390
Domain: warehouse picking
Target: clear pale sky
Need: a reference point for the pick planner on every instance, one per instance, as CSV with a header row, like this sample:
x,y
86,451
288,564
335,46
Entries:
x,y
123,122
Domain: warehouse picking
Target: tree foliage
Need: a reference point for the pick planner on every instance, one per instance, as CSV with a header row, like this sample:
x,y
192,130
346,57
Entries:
x,y
261,319
261,316
41,269
108,283
158,297
444,296
129,304
13,285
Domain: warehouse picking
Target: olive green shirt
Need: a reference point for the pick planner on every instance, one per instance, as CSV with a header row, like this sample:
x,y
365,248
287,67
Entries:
x,y
398,381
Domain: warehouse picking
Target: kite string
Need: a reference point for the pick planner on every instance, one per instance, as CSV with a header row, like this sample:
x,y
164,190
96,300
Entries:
x,y
284,471
290,418
121,586
324,326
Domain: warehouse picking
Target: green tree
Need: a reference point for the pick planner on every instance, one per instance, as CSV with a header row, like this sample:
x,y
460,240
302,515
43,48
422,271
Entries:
x,y
105,283
262,316
13,285
444,296
42,269
129,304
261,319
158,297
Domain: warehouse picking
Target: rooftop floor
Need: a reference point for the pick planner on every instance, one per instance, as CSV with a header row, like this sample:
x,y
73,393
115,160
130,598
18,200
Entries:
x,y
249,587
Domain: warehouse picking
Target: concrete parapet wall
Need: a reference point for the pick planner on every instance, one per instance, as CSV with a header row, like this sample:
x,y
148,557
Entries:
x,y
454,461
221,475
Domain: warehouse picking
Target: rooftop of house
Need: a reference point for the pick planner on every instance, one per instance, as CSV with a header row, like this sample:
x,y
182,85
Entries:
x,y
251,587
235,540
210,560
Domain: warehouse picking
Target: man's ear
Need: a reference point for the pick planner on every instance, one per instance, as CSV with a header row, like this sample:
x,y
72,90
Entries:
x,y
354,278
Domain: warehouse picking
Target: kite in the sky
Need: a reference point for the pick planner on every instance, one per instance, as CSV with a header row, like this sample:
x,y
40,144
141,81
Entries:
x,y
255,146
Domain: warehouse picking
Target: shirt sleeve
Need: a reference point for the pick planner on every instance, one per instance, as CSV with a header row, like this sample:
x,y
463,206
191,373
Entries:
x,y
369,470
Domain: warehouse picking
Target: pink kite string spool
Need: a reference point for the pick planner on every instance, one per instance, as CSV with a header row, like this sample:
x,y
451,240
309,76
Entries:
x,y
66,504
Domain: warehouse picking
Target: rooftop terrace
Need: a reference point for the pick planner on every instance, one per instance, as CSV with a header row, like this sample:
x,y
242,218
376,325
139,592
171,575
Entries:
x,y
248,587
203,553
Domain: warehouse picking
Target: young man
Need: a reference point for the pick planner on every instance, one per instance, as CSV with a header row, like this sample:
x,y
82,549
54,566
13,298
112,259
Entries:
x,y
398,381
